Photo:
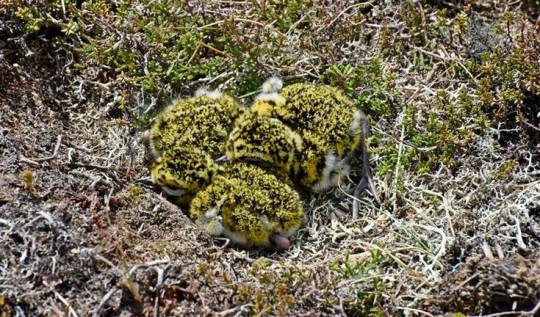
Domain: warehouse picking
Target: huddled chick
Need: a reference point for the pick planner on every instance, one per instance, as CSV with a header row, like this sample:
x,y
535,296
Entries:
x,y
330,127
250,206
187,138
203,121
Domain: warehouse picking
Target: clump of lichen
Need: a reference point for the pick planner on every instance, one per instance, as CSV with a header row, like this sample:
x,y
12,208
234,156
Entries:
x,y
28,178
487,286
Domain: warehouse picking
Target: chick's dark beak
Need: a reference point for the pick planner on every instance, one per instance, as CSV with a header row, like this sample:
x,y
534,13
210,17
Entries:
x,y
280,243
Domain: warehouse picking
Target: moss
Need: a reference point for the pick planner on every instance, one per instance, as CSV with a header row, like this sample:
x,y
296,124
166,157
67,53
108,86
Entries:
x,y
158,47
28,178
134,193
506,169
507,86
368,301
372,87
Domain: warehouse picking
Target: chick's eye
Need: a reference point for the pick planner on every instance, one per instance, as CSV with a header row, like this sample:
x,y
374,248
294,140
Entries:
x,y
240,147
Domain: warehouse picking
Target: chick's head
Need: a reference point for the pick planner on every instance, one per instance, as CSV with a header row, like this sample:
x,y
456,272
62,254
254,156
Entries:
x,y
268,104
183,171
263,140
269,101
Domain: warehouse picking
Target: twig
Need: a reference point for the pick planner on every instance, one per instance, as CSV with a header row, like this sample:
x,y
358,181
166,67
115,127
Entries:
x,y
62,299
77,147
156,306
398,166
216,50
340,307
267,26
6,222
35,161
519,236
147,264
343,12
42,215
104,301
29,161
159,280
99,167
227,312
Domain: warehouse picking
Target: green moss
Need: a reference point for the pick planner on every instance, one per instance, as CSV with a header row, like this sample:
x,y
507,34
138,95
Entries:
x,y
159,47
284,13
508,88
506,169
368,297
28,177
371,87
134,193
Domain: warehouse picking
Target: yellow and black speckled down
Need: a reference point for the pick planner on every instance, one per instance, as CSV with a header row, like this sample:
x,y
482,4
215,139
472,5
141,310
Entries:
x,y
248,205
202,122
183,171
328,124
187,138
263,140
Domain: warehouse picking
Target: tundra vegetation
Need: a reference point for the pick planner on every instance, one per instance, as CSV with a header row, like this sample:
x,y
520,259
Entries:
x,y
451,90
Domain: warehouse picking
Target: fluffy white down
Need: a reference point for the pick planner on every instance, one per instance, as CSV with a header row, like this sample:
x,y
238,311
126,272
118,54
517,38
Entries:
x,y
272,85
211,222
334,170
204,91
356,123
174,192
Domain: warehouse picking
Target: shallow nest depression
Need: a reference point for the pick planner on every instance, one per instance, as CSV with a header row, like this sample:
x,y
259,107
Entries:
x,y
79,236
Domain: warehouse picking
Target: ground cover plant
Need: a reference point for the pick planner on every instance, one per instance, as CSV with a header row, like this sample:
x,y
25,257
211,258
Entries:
x,y
451,92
